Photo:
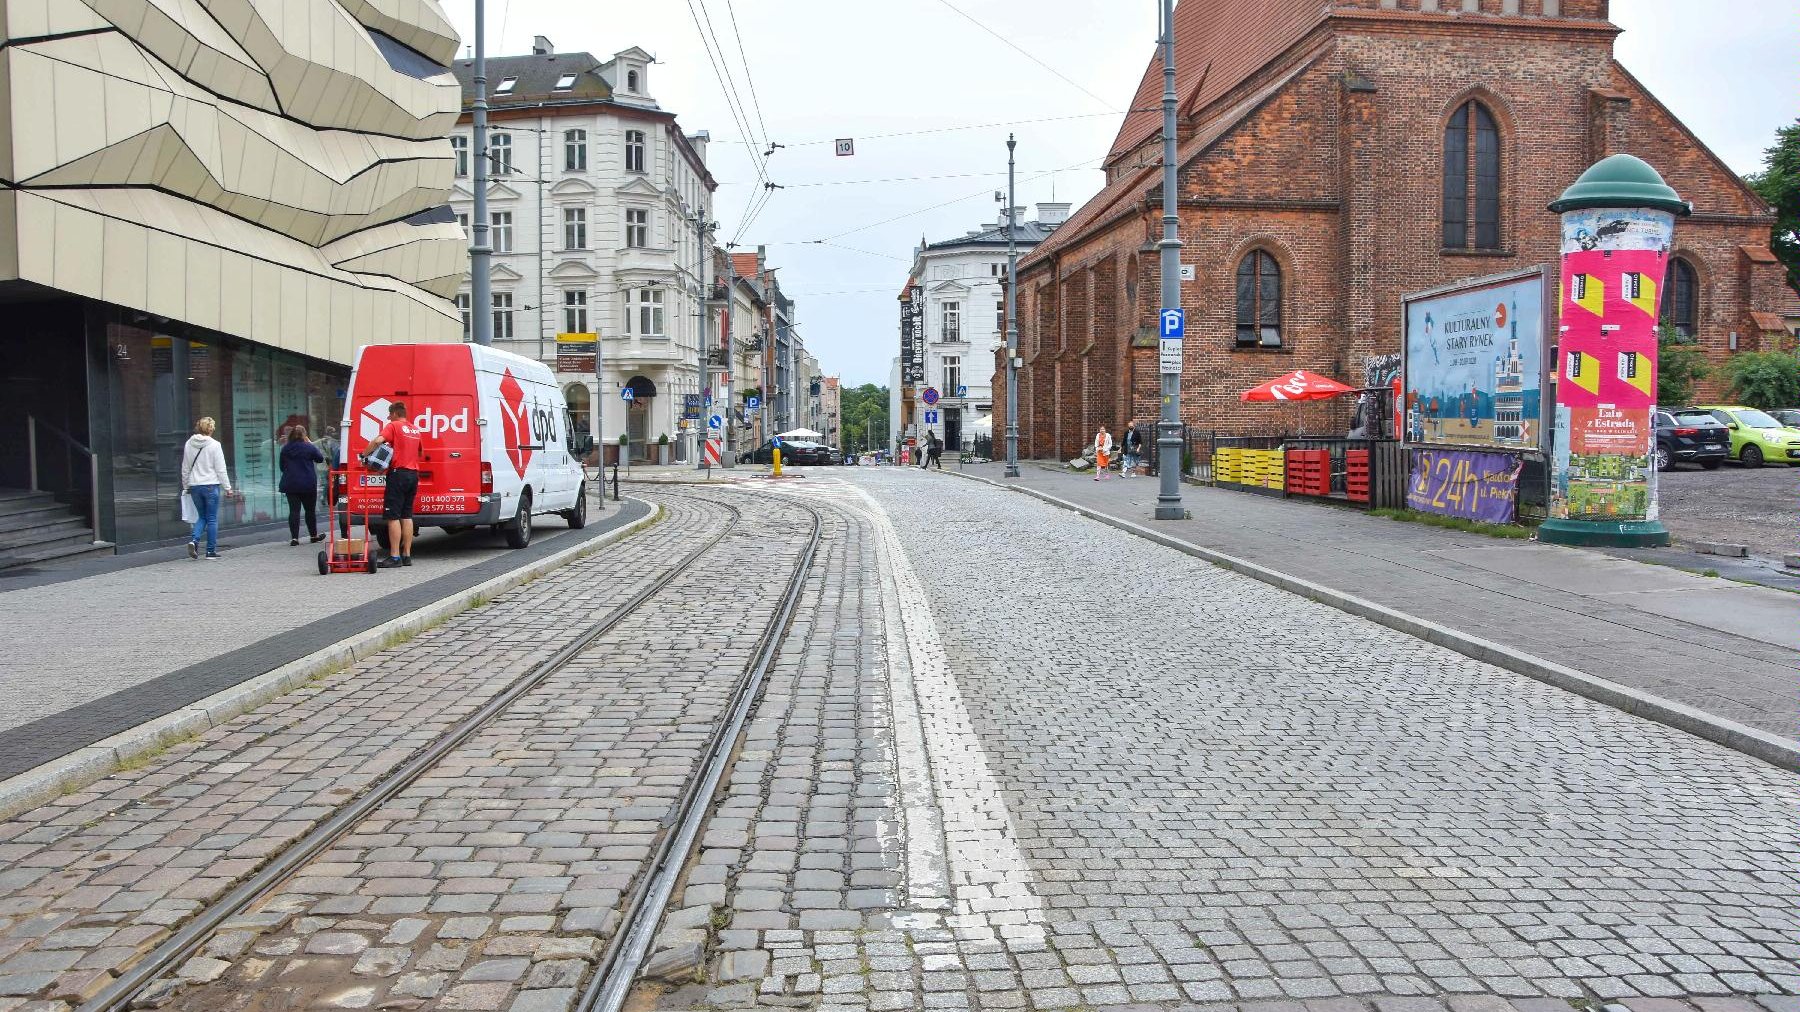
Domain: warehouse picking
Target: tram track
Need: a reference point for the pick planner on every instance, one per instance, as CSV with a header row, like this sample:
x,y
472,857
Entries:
x,y
616,969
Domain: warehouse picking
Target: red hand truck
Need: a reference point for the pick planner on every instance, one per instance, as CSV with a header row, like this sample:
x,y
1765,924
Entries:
x,y
343,553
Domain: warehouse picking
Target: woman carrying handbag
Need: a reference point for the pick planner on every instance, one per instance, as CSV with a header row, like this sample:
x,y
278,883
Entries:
x,y
203,478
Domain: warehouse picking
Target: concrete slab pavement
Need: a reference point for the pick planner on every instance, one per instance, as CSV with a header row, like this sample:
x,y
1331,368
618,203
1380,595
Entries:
x,y
1723,649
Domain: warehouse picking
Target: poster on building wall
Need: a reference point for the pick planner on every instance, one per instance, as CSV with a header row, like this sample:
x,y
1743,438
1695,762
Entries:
x,y
916,366
1612,270
253,438
907,339
1472,363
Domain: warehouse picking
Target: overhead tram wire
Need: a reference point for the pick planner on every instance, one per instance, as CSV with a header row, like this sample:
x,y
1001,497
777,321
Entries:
x,y
944,130
1021,51
954,200
755,101
728,86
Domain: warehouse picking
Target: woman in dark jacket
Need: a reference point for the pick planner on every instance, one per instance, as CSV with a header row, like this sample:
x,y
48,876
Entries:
x,y
300,483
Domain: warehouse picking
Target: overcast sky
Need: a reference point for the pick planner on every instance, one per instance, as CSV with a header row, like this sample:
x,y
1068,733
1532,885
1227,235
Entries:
x,y
926,91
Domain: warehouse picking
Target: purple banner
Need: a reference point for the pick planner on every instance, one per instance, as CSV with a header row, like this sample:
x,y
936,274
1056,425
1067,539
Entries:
x,y
1464,483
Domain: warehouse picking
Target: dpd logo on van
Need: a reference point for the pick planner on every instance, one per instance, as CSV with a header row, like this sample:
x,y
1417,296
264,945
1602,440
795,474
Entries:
x,y
515,422
374,415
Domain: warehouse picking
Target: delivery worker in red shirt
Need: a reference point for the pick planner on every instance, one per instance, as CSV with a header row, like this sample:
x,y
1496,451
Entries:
x,y
402,484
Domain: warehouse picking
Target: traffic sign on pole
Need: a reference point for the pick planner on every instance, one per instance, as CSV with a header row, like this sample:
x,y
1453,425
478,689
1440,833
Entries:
x,y
1172,323
628,395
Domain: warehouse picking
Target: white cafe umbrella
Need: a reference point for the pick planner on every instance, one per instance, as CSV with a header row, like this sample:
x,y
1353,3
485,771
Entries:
x,y
800,434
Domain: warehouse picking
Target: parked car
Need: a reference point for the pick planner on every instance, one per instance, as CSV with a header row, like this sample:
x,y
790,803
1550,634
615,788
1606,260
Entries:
x,y
1789,417
796,451
1690,436
1757,437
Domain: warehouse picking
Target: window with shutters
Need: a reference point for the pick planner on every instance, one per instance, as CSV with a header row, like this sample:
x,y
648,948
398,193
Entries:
x,y
1681,297
1471,197
1258,301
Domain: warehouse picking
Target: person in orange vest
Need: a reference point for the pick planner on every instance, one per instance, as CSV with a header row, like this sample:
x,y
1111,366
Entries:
x,y
1103,446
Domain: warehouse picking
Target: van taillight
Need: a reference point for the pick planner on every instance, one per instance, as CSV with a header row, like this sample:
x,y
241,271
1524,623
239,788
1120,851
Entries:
x,y
487,478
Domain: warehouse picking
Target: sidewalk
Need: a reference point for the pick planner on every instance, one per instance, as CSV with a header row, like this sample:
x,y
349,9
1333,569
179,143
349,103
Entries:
x,y
1723,648
105,645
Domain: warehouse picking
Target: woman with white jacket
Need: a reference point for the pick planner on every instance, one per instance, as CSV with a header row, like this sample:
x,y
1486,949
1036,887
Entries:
x,y
203,478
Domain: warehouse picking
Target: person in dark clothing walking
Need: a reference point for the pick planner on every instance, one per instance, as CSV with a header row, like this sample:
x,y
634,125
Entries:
x,y
936,454
300,483
1131,446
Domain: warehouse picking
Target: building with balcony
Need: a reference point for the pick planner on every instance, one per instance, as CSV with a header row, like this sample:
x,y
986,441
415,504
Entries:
x,y
595,195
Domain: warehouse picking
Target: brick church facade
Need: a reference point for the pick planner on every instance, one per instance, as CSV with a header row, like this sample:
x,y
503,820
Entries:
x,y
1333,156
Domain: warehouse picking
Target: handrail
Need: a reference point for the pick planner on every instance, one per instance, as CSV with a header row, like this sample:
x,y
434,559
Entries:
x,y
31,426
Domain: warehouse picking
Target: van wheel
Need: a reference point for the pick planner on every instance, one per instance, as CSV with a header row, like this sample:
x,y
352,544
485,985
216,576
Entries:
x,y
518,529
577,517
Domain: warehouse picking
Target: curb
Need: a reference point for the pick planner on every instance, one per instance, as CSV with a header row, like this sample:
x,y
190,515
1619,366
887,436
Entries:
x,y
1723,548
1772,749
86,765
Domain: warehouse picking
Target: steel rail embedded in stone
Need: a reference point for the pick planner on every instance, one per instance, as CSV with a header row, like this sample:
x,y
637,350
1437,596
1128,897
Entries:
x,y
618,969
192,935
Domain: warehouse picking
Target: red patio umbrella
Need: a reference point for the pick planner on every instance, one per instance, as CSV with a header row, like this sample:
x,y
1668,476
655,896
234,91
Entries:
x,y
1298,385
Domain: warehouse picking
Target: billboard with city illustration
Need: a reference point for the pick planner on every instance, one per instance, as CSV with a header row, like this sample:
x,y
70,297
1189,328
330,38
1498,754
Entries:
x,y
1472,363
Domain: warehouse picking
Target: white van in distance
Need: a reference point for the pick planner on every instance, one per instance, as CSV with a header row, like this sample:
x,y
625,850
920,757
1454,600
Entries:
x,y
494,429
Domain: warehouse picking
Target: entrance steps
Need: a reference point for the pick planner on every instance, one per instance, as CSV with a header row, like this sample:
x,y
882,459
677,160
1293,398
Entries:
x,y
35,528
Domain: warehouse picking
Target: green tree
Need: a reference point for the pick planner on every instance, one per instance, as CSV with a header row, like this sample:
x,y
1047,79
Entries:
x,y
1680,366
1765,379
1779,184
863,416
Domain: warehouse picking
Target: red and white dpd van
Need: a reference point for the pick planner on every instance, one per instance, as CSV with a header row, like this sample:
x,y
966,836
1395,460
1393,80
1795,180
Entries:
x,y
494,429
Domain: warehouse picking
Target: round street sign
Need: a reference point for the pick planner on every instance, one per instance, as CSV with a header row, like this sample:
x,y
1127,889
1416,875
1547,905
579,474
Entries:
x,y
930,396
715,422
777,441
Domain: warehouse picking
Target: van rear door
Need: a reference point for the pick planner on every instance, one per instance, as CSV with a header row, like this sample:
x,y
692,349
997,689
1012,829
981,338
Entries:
x,y
383,376
444,409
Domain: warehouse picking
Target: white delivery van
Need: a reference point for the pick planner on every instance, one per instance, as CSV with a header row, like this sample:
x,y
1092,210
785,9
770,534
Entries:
x,y
495,435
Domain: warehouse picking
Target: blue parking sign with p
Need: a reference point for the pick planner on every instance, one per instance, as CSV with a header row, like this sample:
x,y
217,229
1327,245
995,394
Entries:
x,y
1172,323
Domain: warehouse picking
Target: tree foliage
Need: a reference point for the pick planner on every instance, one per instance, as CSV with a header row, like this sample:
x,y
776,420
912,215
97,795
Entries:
x,y
1779,184
863,417
1765,379
1680,366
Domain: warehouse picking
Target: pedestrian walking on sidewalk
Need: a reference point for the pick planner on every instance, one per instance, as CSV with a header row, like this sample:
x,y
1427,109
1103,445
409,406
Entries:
x,y
300,461
1103,447
402,485
204,479
1131,447
935,453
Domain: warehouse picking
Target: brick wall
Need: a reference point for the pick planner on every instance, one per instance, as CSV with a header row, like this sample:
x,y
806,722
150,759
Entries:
x,y
1339,177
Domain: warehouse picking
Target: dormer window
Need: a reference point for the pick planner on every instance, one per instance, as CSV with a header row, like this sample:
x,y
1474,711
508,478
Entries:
x,y
565,82
631,81
505,86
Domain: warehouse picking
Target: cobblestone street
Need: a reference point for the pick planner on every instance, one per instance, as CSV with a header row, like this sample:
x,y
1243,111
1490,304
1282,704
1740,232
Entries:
x,y
1065,769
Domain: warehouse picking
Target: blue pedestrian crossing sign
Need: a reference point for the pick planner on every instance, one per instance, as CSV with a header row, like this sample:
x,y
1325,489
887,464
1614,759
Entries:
x,y
629,394
1172,321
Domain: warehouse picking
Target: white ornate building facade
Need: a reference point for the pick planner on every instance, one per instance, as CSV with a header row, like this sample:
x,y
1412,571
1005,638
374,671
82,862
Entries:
x,y
962,282
594,194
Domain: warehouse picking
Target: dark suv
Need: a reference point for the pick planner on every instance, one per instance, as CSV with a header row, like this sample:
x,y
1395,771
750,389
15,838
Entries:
x,y
798,452
1690,436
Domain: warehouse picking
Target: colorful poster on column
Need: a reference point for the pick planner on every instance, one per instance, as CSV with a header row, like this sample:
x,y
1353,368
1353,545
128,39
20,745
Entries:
x,y
1612,272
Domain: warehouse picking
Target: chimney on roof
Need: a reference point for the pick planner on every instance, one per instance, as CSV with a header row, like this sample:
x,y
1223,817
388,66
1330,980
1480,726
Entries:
x,y
1052,214
540,46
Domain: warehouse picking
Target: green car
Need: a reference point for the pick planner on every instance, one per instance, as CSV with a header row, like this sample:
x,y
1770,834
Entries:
x,y
1757,437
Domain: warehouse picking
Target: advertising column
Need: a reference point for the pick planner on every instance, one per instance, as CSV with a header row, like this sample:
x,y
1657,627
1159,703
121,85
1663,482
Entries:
x,y
1617,222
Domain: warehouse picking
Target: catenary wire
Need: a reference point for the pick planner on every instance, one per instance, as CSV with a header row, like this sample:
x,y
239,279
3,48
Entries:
x,y
1021,51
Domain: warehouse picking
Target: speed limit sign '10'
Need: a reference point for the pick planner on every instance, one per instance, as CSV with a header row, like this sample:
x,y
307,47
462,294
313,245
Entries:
x,y
846,146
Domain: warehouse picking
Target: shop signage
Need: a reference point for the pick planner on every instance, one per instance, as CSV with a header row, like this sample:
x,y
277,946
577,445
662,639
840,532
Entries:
x,y
1473,363
576,353
1464,483
690,406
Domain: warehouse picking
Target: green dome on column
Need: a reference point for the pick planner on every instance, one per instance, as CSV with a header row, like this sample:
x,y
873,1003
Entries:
x,y
1621,181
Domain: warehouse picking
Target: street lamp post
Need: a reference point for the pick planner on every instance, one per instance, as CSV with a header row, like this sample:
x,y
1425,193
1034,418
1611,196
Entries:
x,y
1012,320
1168,442
481,294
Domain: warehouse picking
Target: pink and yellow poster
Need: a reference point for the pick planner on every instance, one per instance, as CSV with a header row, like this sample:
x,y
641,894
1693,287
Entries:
x,y
1612,272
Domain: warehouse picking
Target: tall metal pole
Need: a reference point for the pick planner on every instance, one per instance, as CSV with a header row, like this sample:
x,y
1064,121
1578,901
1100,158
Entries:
x,y
1168,443
704,373
1012,320
481,289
